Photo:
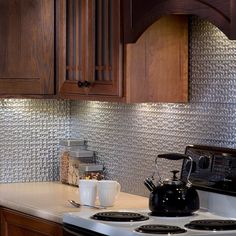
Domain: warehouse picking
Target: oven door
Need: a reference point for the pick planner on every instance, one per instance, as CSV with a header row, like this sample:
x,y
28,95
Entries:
x,y
71,230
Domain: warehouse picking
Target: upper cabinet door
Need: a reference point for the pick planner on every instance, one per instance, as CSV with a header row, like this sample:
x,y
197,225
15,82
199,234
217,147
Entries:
x,y
89,49
140,14
26,47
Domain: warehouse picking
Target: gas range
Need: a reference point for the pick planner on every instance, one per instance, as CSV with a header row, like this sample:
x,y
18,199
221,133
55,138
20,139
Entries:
x,y
214,175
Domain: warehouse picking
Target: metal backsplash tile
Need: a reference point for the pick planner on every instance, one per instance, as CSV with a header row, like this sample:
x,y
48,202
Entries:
x,y
127,138
29,136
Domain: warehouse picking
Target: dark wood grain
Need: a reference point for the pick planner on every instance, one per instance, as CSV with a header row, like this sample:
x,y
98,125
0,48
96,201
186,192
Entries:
x,y
60,44
26,47
101,53
233,19
14,223
152,70
71,40
99,38
140,14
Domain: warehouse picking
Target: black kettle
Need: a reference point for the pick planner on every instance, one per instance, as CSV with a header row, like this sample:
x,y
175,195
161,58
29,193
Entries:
x,y
174,197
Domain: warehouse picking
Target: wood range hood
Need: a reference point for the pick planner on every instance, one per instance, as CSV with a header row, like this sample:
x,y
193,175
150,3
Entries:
x,y
140,14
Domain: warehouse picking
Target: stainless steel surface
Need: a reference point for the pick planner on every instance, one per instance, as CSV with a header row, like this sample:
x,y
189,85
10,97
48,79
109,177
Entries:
x,y
30,131
73,142
190,171
76,204
127,138
90,168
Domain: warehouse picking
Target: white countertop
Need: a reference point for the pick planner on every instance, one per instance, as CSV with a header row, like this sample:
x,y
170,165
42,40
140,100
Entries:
x,y
48,200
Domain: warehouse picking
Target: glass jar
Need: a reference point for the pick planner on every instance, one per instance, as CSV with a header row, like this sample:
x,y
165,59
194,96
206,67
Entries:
x,y
76,159
65,147
91,171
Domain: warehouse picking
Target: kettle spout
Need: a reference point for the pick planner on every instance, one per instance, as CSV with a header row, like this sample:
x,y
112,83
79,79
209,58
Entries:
x,y
149,184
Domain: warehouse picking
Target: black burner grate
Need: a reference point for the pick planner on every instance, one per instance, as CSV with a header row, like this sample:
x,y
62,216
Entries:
x,y
160,229
119,216
212,225
168,214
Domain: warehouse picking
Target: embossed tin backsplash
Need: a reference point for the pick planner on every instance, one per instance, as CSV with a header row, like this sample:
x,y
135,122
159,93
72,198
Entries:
x,y
128,137
29,136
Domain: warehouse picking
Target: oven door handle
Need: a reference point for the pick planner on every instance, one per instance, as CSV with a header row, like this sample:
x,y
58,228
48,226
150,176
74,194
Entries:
x,y
67,232
71,230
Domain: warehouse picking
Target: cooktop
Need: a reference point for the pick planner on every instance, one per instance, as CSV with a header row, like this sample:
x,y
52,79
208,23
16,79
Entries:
x,y
214,172
201,223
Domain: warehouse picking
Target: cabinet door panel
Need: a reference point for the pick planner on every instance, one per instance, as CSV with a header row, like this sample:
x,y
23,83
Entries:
x,y
157,64
14,223
27,47
92,48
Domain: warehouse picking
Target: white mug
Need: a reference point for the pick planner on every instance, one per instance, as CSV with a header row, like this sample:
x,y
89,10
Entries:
x,y
108,191
87,191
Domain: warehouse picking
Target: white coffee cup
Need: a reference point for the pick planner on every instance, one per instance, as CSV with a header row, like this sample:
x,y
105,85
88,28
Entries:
x,y
87,191
108,191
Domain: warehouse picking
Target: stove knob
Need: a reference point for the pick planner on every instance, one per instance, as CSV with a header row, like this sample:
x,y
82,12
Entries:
x,y
188,165
204,162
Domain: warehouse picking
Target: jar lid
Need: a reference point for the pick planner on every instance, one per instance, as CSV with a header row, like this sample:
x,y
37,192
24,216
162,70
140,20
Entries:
x,y
81,153
173,182
90,168
72,142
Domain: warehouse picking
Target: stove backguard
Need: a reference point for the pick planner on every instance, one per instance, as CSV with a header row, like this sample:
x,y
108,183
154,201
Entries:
x,y
214,169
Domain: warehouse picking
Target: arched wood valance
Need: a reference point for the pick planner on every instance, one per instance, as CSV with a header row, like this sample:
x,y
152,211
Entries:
x,y
138,15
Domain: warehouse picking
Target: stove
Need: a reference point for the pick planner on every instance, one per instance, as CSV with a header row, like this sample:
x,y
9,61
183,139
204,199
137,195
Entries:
x,y
214,175
201,223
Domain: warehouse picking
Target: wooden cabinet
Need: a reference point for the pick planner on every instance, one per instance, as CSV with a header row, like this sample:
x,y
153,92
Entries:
x,y
93,63
26,47
14,223
91,60
156,66
89,50
140,14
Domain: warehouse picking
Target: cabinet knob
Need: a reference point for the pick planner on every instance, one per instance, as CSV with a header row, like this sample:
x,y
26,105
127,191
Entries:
x,y
81,84
85,84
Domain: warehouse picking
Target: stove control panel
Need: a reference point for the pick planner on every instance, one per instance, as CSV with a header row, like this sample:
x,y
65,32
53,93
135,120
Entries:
x,y
214,168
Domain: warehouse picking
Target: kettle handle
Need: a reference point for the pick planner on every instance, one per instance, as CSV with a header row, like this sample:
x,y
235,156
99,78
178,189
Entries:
x,y
175,157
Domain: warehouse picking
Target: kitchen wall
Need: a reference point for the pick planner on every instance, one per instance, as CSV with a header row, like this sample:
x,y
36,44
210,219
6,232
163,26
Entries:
x,y
127,138
29,135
